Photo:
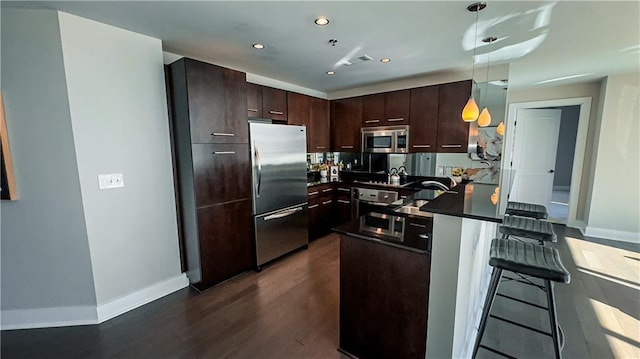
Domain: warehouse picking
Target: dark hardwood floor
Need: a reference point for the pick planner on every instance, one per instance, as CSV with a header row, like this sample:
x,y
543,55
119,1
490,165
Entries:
x,y
290,310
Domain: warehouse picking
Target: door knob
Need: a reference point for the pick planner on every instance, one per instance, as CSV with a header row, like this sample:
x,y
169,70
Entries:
x,y
551,171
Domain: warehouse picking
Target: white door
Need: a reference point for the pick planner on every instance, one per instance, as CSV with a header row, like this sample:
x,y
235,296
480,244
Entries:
x,y
534,155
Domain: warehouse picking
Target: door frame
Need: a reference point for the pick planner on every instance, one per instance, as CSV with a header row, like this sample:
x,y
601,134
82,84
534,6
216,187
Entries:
x,y
578,157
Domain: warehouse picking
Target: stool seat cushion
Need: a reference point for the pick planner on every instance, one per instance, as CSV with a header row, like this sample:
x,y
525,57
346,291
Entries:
x,y
529,228
530,259
526,210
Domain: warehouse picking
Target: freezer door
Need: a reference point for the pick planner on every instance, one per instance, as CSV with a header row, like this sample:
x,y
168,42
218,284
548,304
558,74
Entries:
x,y
279,159
280,232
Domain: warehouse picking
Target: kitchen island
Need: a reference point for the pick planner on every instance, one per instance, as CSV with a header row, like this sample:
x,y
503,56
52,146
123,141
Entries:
x,y
437,277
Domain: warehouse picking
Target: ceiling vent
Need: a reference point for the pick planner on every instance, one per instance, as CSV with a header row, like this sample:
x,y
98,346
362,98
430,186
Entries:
x,y
358,60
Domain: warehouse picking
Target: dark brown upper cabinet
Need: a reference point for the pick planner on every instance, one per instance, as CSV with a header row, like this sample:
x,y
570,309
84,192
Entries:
x,y
274,104
424,119
298,109
396,107
453,133
216,104
386,109
346,118
318,132
313,113
254,100
373,110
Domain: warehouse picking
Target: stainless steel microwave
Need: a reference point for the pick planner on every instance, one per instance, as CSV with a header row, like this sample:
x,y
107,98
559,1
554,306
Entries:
x,y
389,139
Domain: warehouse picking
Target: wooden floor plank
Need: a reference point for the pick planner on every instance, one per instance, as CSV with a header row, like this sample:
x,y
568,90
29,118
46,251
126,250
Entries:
x,y
290,310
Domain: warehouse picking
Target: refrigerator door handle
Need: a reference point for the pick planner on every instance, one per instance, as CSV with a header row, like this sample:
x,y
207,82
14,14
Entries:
x,y
256,154
283,214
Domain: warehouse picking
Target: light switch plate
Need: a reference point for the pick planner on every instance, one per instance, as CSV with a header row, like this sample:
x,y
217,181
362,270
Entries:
x,y
112,180
440,171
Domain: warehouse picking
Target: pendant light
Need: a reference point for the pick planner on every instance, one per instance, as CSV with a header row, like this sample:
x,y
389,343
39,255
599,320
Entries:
x,y
484,119
500,129
470,110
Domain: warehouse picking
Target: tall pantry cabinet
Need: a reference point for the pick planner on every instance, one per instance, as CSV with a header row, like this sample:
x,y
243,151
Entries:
x,y
214,171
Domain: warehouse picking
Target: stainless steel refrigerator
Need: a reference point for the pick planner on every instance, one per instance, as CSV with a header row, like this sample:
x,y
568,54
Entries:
x,y
279,165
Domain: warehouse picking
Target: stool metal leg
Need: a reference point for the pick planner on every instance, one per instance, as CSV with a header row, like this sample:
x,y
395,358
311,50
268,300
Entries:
x,y
488,303
553,319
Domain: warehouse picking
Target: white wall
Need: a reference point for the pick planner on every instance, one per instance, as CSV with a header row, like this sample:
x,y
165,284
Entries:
x,y
576,90
118,108
45,254
615,213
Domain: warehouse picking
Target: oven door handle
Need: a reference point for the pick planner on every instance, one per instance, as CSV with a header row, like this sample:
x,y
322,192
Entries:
x,y
376,203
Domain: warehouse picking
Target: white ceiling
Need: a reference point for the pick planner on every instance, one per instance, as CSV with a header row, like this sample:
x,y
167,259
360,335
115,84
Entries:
x,y
541,40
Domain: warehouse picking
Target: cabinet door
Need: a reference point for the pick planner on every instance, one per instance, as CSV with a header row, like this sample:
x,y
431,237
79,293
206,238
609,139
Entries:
x,y
346,117
222,173
453,133
274,104
298,109
373,110
318,133
396,107
384,300
226,242
254,100
424,119
217,103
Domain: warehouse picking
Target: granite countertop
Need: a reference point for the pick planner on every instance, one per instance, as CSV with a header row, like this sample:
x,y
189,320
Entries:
x,y
466,200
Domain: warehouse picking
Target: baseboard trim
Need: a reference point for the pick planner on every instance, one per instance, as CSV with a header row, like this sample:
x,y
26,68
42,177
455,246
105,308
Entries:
x,y
623,236
580,225
48,317
139,298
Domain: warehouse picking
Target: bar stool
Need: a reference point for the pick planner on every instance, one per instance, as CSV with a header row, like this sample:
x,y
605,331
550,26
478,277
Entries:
x,y
530,210
536,229
528,259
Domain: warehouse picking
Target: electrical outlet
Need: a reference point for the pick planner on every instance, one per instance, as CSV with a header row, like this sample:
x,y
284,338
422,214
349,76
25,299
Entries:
x,y
447,170
440,171
112,180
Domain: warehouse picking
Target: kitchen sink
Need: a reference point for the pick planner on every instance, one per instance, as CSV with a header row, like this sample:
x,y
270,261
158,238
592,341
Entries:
x,y
413,208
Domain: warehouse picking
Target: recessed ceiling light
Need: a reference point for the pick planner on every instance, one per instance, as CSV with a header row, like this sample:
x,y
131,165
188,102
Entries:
x,y
258,46
321,21
331,72
385,60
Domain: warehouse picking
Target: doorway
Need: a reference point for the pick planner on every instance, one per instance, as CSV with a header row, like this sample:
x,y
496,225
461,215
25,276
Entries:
x,y
558,185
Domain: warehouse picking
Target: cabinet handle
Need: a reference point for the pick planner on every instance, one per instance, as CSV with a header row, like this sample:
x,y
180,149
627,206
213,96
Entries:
x,y
313,206
451,146
224,153
346,146
423,236
222,134
252,109
320,147
313,193
395,119
326,190
327,202
403,197
343,201
421,146
418,225
344,189
371,121
276,112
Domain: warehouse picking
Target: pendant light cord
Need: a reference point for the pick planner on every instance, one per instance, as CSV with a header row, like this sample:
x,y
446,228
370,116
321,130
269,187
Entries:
x,y
475,40
486,84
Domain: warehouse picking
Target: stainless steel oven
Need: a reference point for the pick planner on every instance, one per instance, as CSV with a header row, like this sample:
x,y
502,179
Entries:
x,y
390,139
366,204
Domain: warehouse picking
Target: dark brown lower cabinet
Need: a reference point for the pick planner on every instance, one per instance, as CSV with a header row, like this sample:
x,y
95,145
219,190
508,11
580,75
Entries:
x,y
384,294
342,209
320,217
224,232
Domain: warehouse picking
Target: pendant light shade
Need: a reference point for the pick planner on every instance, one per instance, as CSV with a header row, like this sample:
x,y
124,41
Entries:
x,y
470,112
484,119
500,129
